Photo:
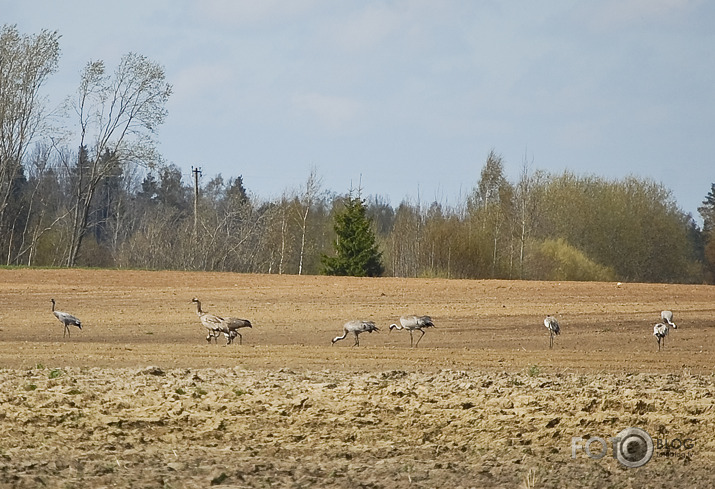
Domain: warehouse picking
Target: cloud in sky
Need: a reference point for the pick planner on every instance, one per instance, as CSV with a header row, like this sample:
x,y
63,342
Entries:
x,y
333,111
240,13
618,12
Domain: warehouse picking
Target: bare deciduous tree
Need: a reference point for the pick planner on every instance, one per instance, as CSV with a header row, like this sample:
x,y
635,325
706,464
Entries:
x,y
118,115
26,62
307,199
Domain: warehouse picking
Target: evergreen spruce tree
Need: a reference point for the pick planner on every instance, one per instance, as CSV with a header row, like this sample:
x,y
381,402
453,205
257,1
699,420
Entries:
x,y
355,247
707,211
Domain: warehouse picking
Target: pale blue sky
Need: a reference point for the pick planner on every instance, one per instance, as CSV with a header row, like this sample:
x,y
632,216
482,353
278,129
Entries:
x,y
410,96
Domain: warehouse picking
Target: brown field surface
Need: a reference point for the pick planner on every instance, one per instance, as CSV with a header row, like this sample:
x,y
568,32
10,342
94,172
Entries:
x,y
138,398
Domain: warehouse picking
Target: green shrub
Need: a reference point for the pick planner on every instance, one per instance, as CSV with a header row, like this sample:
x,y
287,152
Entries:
x,y
555,259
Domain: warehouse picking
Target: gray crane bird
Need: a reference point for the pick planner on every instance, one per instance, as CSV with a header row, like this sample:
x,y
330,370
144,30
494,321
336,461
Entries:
x,y
660,331
667,317
66,319
214,324
414,323
356,326
231,326
553,326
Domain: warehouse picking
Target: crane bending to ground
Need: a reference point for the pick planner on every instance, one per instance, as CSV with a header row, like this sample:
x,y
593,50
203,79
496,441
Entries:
x,y
667,317
231,326
414,323
356,326
66,319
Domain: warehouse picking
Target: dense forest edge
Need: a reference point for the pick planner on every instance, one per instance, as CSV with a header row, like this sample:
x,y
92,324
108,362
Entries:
x,y
83,185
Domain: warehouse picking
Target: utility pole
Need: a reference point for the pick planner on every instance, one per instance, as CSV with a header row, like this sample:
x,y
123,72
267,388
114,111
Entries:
x,y
196,172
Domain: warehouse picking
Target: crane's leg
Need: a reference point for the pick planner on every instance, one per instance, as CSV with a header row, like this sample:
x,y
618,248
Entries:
x,y
551,340
410,338
418,340
357,340
240,338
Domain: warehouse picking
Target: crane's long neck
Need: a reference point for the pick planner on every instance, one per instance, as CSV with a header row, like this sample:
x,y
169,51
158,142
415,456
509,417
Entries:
x,y
198,308
338,338
53,306
396,326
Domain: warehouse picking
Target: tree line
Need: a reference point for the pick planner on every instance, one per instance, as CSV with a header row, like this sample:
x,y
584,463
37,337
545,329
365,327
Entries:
x,y
98,194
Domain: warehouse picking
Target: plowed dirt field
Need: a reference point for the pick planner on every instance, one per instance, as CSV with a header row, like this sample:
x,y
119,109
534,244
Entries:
x,y
138,398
